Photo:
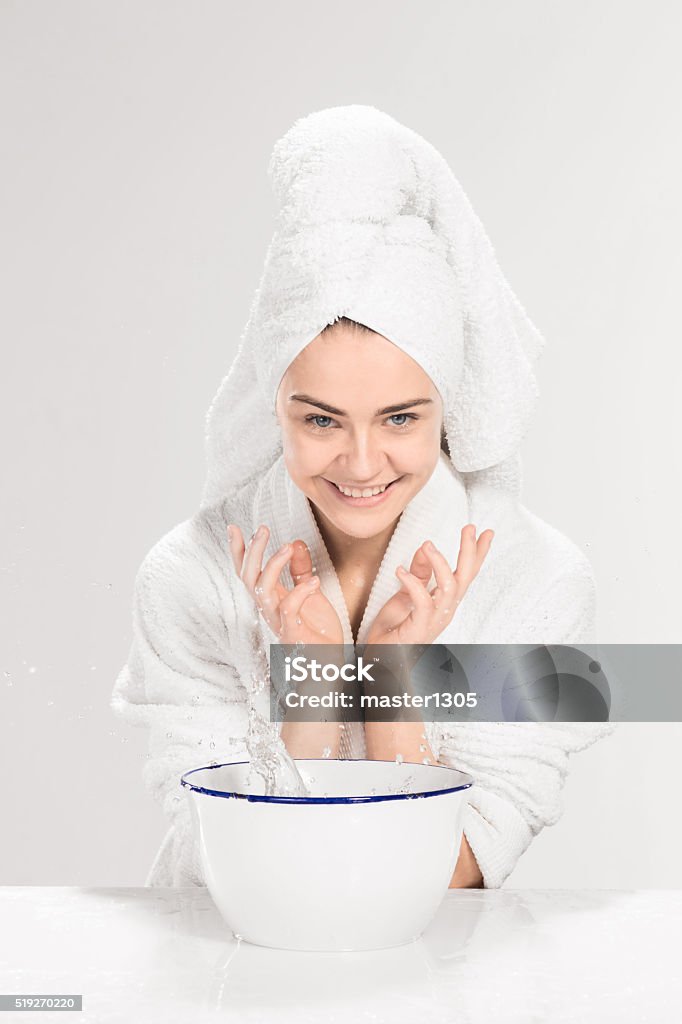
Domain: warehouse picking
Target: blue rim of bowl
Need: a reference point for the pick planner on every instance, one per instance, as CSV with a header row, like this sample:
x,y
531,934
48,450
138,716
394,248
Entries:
x,y
378,798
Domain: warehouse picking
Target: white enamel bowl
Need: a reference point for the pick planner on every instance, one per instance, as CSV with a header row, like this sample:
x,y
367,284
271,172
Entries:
x,y
353,866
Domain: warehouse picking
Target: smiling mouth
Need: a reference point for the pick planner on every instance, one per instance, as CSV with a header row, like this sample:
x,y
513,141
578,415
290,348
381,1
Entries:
x,y
363,492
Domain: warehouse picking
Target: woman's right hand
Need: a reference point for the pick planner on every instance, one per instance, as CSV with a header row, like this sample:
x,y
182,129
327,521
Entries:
x,y
302,615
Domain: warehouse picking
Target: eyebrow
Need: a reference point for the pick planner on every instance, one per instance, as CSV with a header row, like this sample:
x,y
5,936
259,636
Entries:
x,y
309,400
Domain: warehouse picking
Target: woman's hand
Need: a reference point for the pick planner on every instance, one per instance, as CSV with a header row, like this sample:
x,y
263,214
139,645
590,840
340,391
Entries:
x,y
417,616
302,615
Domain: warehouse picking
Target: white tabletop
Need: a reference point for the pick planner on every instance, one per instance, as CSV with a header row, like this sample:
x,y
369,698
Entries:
x,y
495,956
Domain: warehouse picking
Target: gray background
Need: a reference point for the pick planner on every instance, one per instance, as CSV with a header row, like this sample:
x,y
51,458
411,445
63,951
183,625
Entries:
x,y
136,213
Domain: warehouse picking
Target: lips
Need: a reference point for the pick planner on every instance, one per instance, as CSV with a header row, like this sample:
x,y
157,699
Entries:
x,y
371,502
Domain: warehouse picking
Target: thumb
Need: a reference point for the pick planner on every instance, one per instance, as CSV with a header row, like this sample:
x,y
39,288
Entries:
x,y
301,563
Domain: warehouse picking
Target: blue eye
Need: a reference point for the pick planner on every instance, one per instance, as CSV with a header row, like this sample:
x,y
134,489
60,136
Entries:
x,y
314,421
322,426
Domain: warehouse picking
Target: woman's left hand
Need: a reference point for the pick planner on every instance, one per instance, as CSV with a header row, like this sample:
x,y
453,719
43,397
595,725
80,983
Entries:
x,y
417,616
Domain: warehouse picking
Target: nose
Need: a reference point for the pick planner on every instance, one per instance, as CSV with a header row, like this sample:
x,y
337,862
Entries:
x,y
364,460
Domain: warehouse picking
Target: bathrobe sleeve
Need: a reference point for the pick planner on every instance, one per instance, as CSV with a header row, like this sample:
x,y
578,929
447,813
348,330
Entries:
x,y
182,682
519,768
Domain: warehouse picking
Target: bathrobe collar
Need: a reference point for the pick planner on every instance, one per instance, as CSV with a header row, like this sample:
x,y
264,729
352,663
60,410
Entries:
x,y
437,512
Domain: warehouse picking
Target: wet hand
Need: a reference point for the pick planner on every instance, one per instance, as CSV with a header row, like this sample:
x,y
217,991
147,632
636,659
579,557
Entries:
x,y
416,615
301,615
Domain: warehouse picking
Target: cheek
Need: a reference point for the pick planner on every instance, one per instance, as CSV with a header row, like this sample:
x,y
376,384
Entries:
x,y
303,457
421,451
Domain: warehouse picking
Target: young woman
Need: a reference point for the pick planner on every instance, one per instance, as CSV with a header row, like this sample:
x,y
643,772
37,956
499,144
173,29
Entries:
x,y
369,424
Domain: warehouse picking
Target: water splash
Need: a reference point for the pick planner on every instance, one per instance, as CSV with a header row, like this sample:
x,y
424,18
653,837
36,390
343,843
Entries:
x,y
268,756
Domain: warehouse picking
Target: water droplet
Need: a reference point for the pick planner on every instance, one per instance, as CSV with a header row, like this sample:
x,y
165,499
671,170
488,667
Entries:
x,y
93,668
212,745
50,703
33,669
327,752
398,758
299,622
426,761
422,747
169,735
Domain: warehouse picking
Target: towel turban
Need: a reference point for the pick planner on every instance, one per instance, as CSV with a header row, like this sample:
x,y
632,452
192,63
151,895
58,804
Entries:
x,y
372,225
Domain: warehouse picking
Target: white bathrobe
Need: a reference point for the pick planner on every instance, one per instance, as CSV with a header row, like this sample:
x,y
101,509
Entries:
x,y
197,638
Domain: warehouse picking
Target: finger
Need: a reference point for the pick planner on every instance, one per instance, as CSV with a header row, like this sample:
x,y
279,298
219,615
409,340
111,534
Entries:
x,y
421,565
251,566
301,567
236,544
483,547
421,599
290,606
466,559
445,583
269,590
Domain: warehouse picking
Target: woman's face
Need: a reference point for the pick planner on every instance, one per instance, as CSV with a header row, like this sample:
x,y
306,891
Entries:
x,y
357,412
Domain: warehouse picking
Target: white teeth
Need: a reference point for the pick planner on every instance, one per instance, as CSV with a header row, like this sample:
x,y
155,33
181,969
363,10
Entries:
x,y
367,492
